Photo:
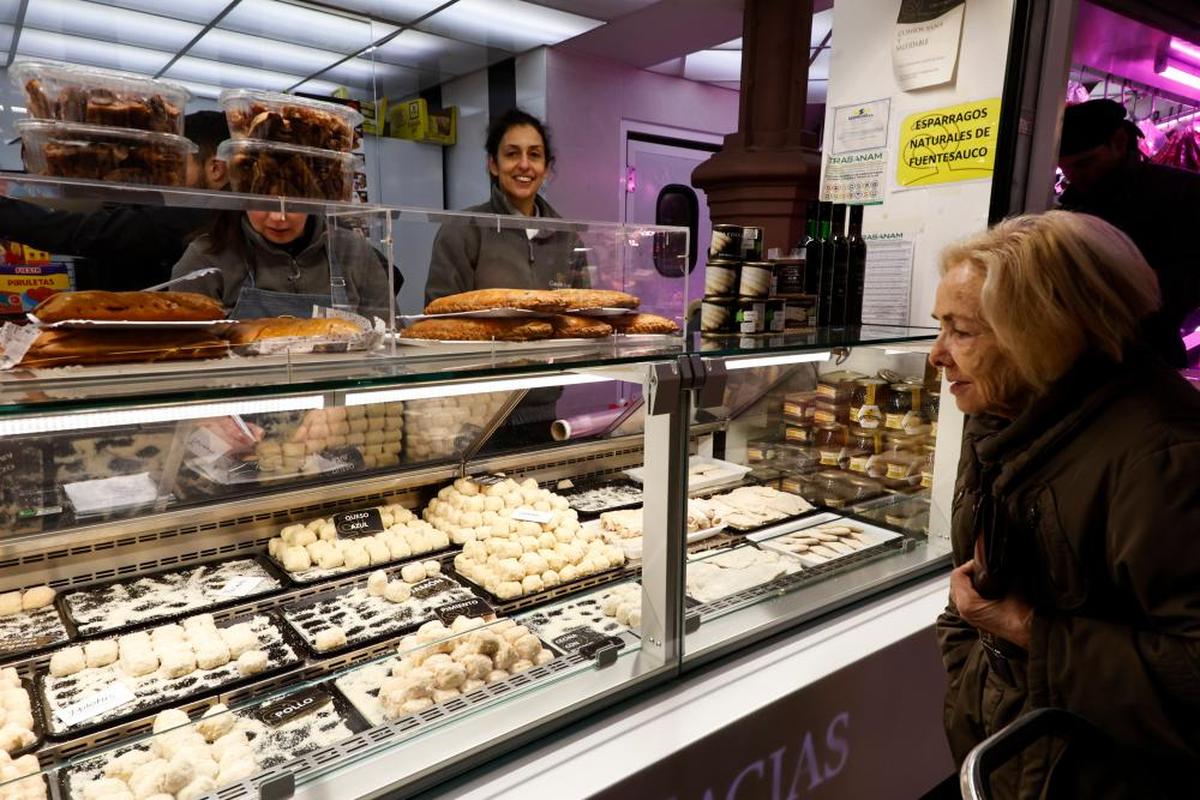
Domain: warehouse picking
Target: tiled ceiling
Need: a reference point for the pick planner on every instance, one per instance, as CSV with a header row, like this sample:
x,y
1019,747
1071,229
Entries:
x,y
370,47
722,65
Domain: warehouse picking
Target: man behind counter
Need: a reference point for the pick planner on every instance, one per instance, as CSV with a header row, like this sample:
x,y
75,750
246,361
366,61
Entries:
x,y
127,246
1156,206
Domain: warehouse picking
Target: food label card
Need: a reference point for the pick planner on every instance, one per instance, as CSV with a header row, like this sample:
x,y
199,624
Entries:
x,y
489,480
95,704
526,514
585,641
354,524
297,704
471,607
239,587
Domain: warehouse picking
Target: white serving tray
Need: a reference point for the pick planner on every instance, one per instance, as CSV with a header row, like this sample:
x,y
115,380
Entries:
x,y
872,534
727,474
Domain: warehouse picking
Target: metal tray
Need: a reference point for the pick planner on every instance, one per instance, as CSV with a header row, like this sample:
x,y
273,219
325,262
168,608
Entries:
x,y
591,513
267,565
289,637
506,607
39,725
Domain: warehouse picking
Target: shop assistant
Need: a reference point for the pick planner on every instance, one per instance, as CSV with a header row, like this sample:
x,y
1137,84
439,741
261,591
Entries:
x,y
272,264
467,257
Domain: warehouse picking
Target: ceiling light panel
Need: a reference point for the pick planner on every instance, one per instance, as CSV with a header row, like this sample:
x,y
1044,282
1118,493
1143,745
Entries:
x,y
820,67
606,10
232,47
322,88
108,24
512,25
822,26
421,50
199,11
78,50
374,77
8,11
402,11
714,65
190,68
286,22
204,90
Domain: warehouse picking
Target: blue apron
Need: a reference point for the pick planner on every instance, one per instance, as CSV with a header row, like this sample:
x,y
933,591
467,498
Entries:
x,y
255,303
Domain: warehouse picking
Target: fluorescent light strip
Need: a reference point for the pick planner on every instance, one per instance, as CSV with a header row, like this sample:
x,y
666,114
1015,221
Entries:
x,y
471,387
1180,75
774,361
1185,50
137,416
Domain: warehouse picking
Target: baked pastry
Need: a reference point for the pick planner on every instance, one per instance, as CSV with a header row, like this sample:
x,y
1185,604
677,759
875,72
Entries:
x,y
59,348
290,123
642,323
480,329
103,106
255,330
129,307
597,298
256,168
483,299
569,326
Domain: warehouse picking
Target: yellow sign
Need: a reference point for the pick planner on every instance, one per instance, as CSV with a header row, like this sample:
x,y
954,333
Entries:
x,y
956,143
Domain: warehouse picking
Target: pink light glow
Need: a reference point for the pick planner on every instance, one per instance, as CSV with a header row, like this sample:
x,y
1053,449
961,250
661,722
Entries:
x,y
1186,50
1181,75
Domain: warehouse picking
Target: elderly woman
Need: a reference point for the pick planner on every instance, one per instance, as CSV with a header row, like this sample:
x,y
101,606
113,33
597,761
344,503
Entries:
x,y
1076,520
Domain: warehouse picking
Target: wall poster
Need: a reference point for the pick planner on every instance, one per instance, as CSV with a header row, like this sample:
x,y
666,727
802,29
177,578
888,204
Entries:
x,y
947,145
925,48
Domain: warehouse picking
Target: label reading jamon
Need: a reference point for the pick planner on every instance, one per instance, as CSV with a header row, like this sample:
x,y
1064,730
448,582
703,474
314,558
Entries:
x,y
353,524
297,704
471,607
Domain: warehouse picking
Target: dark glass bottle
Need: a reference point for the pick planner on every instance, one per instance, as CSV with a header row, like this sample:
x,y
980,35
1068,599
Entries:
x,y
837,250
812,250
858,268
823,262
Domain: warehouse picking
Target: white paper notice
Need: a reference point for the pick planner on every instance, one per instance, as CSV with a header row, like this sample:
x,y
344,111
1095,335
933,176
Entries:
x,y
524,514
888,281
862,126
855,178
925,50
114,695
238,587
106,494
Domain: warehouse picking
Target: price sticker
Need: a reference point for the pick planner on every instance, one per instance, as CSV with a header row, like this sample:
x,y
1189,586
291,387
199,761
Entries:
x,y
526,514
96,704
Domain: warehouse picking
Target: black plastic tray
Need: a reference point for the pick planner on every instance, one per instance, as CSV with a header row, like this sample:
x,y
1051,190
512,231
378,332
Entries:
x,y
151,709
537,598
41,646
366,641
264,562
300,580
39,725
572,493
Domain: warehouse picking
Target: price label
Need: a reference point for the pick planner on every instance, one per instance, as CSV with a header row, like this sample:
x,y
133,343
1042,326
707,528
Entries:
x,y
526,514
586,641
295,705
240,587
206,446
489,480
431,586
113,696
353,524
335,460
471,607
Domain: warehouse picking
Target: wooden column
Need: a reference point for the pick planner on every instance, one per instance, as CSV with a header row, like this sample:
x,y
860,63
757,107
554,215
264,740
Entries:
x,y
768,171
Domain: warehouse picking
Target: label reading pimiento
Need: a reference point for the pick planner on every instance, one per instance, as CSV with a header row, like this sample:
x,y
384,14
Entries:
x,y
471,607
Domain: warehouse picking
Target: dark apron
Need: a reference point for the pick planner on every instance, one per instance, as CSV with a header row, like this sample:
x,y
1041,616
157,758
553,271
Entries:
x,y
255,303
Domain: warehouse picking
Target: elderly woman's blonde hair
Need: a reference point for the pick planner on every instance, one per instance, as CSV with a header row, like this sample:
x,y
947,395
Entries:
x,y
1055,285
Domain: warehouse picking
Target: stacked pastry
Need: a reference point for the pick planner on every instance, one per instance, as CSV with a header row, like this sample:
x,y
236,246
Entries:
x,y
749,507
505,550
443,427
31,788
16,715
734,571
375,431
316,547
824,542
629,523
558,322
624,604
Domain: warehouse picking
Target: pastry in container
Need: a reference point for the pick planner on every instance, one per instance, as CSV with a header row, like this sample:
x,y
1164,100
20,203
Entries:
x,y
284,170
287,119
92,152
107,98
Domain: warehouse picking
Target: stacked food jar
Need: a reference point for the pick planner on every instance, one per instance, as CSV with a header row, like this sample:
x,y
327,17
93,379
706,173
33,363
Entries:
x,y
737,283
94,124
289,146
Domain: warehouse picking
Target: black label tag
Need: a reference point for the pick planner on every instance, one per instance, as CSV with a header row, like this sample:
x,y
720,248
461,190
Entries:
x,y
489,480
583,639
471,607
335,460
431,586
353,524
297,704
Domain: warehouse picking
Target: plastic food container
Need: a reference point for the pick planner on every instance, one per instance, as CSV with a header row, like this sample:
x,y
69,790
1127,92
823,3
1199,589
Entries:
x,y
91,96
91,152
287,119
288,170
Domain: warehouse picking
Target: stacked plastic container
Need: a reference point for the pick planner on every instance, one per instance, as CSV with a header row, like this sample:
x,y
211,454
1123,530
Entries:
x,y
95,124
289,146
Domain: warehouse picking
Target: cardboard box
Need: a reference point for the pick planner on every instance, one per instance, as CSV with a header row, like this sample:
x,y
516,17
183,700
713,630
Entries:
x,y
414,120
23,286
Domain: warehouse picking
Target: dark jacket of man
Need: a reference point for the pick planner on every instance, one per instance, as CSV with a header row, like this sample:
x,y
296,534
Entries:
x,y
1159,209
1095,495
127,247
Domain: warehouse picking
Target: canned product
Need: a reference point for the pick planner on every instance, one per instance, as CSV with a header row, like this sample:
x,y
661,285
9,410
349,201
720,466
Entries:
x,y
904,408
789,276
726,242
751,316
868,398
752,243
800,313
755,281
776,316
718,315
721,277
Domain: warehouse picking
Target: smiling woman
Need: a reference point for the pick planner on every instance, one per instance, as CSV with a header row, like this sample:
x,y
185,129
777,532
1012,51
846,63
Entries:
x,y
467,257
1077,577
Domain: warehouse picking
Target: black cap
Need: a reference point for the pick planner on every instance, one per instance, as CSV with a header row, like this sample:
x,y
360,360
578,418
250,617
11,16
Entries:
x,y
1090,124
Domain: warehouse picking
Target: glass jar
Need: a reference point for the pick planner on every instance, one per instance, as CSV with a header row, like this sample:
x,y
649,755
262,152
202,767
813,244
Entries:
x,y
903,442
903,411
798,458
835,387
859,488
831,488
867,400
901,470
830,439
927,454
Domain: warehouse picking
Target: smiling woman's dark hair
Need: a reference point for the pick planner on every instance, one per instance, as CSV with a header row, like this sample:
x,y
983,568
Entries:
x,y
513,118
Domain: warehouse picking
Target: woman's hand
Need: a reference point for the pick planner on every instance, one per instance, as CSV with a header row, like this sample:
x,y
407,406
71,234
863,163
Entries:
x,y
1010,618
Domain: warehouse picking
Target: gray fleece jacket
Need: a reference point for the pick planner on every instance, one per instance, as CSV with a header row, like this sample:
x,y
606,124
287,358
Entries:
x,y
467,257
277,270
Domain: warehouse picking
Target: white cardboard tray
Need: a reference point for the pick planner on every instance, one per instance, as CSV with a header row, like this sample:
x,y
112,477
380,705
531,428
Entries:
x,y
728,473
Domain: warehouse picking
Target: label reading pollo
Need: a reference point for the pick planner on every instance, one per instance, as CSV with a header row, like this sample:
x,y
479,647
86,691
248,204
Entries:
x,y
297,704
353,524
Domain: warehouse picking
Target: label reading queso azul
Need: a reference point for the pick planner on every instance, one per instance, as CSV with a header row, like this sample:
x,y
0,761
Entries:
x,y
471,607
352,524
297,704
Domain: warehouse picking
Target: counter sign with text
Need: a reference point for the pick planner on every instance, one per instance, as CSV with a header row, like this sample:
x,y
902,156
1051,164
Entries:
x,y
946,145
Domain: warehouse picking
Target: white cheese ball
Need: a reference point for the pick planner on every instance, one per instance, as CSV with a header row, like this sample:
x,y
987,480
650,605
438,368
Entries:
x,y
122,766
211,652
252,662
295,559
532,584
37,597
235,769
356,555
413,573
232,741
397,592
377,583
330,639
67,662
377,550
148,779
215,723
239,638
177,662
10,604
201,786
169,720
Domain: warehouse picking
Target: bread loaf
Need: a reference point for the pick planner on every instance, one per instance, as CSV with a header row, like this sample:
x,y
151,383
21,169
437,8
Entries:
x,y
256,330
59,348
483,299
642,323
129,307
570,326
597,298
480,329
